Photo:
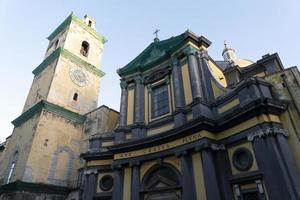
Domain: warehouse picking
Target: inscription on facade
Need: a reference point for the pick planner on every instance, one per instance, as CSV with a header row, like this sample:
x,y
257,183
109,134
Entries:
x,y
159,148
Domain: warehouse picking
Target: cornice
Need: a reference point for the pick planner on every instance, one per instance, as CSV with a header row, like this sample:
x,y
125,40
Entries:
x,y
72,18
70,56
34,187
44,105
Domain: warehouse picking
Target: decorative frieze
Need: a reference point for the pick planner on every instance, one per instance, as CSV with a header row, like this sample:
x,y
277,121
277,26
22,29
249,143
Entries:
x,y
267,132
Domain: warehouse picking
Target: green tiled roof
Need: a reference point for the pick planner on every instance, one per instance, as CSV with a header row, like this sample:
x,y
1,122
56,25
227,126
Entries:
x,y
44,105
72,57
72,18
155,52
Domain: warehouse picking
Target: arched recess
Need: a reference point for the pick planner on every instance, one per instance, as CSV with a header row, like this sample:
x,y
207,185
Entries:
x,y
162,182
56,167
85,47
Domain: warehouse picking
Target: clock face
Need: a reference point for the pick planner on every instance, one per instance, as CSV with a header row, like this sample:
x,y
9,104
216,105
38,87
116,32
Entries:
x,y
79,76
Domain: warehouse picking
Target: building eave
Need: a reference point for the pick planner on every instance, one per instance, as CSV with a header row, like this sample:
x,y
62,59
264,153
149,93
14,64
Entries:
x,y
44,105
70,56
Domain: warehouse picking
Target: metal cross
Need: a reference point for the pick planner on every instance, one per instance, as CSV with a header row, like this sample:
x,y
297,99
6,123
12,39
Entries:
x,y
156,32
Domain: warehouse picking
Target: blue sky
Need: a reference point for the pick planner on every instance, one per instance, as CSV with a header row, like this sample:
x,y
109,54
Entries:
x,y
252,27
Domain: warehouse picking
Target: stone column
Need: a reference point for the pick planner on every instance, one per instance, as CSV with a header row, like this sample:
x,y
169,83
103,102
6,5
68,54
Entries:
x,y
117,193
193,72
135,181
123,104
188,184
179,117
119,135
139,100
139,108
273,157
210,175
90,184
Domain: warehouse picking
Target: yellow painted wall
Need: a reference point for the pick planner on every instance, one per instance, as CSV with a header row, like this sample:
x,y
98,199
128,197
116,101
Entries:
x,y
146,113
186,84
161,129
229,105
130,107
217,73
173,161
145,166
216,90
198,176
127,184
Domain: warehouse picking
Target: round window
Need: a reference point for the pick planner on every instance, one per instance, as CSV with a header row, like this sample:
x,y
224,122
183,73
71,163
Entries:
x,y
242,159
106,182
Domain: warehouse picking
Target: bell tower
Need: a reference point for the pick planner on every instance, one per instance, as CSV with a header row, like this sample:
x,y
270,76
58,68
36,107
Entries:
x,y
69,75
44,149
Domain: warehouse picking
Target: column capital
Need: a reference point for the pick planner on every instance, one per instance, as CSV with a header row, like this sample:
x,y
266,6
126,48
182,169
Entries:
x,y
273,131
139,79
189,51
123,84
210,147
202,54
116,167
175,62
134,163
181,153
90,171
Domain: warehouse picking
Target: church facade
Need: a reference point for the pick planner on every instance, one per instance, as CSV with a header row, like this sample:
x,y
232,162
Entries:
x,y
192,127
189,127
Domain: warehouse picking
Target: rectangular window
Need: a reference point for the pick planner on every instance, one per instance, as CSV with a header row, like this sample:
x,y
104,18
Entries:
x,y
160,100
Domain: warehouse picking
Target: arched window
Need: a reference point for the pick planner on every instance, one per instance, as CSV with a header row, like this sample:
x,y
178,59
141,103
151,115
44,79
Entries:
x,y
12,167
56,43
75,97
84,48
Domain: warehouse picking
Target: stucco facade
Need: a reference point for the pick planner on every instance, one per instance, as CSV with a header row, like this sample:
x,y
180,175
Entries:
x,y
192,127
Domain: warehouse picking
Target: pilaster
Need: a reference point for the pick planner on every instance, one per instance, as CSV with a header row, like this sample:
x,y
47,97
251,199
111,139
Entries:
x,y
179,117
209,170
135,180
188,185
274,157
117,193
193,72
90,184
120,136
139,108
